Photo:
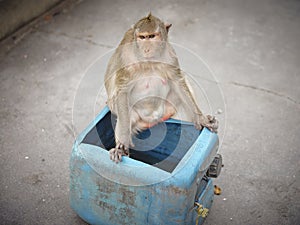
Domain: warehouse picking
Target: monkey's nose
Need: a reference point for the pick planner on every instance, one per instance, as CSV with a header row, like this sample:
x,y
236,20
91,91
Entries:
x,y
147,50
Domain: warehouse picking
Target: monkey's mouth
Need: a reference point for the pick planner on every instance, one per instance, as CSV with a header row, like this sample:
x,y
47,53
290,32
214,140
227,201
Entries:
x,y
150,58
148,55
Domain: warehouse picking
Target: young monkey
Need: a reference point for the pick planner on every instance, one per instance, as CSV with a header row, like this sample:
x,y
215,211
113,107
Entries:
x,y
145,85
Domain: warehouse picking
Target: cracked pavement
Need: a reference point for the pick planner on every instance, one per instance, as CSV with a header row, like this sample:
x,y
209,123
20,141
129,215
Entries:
x,y
253,50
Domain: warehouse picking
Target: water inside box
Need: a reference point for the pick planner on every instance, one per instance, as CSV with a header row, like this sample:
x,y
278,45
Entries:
x,y
162,146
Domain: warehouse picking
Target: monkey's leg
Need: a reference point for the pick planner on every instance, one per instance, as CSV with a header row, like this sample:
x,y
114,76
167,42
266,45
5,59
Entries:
x,y
123,130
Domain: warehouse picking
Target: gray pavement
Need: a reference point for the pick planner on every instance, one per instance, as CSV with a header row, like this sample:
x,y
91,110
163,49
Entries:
x,y
252,47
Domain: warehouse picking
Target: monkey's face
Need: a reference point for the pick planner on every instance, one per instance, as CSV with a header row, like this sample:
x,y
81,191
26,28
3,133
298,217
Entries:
x,y
149,46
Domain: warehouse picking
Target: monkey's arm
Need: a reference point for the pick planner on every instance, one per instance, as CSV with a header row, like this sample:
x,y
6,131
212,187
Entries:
x,y
199,119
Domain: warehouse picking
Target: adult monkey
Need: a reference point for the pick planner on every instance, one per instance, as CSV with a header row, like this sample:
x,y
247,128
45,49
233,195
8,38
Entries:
x,y
145,85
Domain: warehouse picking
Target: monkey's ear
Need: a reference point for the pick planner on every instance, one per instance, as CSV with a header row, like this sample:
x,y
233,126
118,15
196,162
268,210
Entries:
x,y
168,25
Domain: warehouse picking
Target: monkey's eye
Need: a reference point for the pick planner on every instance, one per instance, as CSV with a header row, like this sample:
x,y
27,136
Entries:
x,y
152,36
142,37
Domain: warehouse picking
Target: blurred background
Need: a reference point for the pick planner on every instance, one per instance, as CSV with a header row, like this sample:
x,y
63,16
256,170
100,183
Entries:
x,y
242,54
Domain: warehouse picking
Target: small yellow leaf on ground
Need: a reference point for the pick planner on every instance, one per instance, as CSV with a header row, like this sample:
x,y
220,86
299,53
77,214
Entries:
x,y
217,190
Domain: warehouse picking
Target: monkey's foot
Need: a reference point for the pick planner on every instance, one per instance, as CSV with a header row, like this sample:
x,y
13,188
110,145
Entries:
x,y
207,121
117,153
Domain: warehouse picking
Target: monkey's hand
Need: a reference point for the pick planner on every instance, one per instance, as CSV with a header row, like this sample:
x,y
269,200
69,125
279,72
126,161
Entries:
x,y
117,152
206,121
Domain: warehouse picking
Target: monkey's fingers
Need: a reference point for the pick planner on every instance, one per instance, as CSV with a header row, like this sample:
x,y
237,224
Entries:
x,y
113,155
198,126
213,123
117,153
123,149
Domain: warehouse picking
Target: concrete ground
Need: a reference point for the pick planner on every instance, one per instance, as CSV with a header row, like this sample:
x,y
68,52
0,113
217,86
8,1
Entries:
x,y
251,46
16,13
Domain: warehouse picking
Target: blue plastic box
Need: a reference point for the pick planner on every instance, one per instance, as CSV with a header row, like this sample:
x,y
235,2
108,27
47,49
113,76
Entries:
x,y
163,182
